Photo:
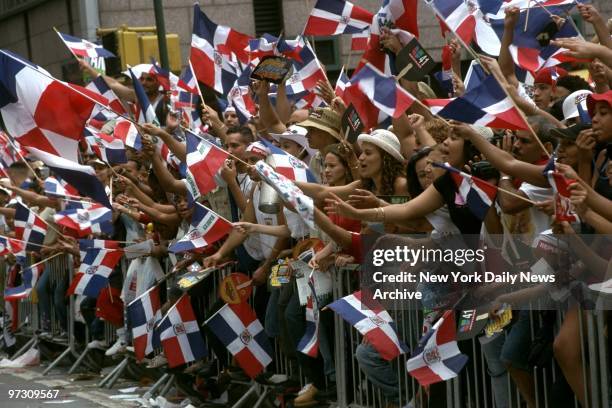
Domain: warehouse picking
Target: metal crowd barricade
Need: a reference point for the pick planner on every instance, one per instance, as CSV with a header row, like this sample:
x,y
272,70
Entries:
x,y
473,386
61,267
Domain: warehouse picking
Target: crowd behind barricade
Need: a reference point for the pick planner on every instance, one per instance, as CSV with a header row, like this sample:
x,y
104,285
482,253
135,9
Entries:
x,y
227,244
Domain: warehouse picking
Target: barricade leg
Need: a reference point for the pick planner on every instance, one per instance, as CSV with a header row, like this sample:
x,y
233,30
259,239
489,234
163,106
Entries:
x,y
79,360
245,397
57,361
108,376
155,386
167,386
120,368
261,398
31,343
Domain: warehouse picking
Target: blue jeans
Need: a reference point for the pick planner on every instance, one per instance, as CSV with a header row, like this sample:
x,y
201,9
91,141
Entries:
x,y
47,294
497,370
379,371
516,348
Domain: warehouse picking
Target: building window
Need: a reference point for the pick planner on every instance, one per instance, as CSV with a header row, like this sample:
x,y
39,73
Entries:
x,y
268,16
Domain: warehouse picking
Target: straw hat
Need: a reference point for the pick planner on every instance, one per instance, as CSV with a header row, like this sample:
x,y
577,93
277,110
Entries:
x,y
324,119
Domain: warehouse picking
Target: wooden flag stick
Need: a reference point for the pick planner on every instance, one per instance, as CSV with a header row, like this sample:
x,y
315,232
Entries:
x,y
527,16
25,242
69,49
197,83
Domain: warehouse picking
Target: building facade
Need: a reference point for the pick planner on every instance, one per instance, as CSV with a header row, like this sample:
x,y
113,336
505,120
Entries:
x,y
26,26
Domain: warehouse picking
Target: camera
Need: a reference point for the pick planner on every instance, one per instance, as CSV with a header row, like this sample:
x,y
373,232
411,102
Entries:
x,y
484,170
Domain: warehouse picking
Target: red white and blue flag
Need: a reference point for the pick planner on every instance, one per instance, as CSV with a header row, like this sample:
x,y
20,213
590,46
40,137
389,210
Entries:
x,y
40,111
29,227
204,160
10,150
86,244
83,178
144,313
476,193
84,48
180,335
373,322
91,219
127,132
240,96
309,344
341,83
376,95
486,105
307,72
207,227
212,47
237,327
401,17
145,112
106,147
288,165
564,209
92,276
467,21
187,81
56,187
445,76
334,17
99,86
10,246
29,277
437,356
359,41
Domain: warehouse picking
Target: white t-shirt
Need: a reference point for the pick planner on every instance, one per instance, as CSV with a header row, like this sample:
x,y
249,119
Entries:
x,y
441,222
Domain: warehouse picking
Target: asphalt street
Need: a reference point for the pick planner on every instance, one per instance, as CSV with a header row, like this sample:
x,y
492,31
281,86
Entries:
x,y
60,389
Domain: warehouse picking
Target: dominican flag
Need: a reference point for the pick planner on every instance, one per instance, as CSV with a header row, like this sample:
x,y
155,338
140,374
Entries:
x,y
83,178
564,209
373,322
211,49
187,81
207,227
92,219
288,192
127,132
261,47
476,193
92,276
10,150
341,83
468,22
29,277
486,105
309,344
305,73
146,113
179,334
29,227
99,86
359,41
9,246
86,244
445,76
437,357
240,96
204,160
143,315
372,93
56,187
243,335
333,17
401,17
40,111
289,166
106,147
84,48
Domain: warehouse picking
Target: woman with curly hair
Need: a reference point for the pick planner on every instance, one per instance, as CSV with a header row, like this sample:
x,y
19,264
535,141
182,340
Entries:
x,y
380,167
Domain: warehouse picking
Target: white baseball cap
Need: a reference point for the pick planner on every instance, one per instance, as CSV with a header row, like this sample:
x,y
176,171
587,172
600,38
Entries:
x,y
571,101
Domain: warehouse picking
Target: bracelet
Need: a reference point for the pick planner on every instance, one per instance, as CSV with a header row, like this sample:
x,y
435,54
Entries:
x,y
505,178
